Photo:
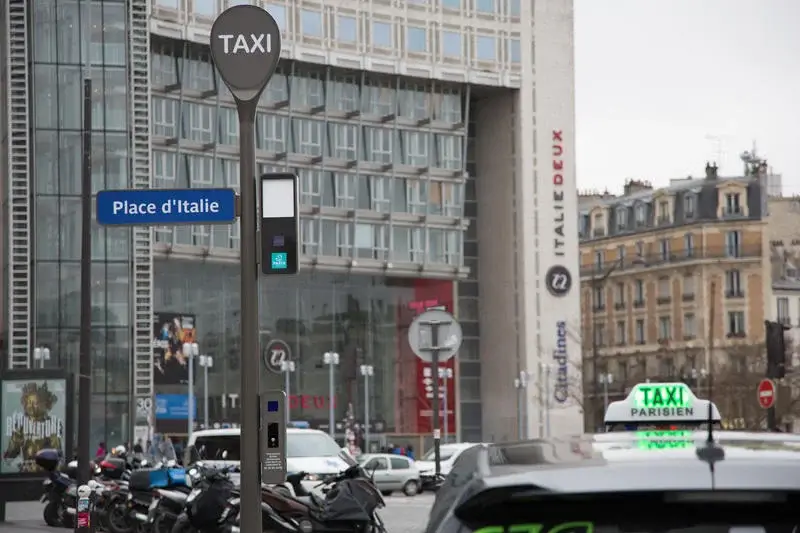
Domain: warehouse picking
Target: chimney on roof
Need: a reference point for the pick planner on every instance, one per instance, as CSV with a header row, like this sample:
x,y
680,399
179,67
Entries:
x,y
711,171
632,186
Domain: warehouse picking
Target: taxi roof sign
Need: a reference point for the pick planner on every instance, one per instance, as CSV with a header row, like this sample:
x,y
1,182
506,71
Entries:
x,y
661,402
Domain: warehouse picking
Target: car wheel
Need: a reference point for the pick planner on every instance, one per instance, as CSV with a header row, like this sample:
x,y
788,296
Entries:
x,y
411,488
386,493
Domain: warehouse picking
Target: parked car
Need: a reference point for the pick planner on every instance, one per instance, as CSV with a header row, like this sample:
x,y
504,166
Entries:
x,y
392,472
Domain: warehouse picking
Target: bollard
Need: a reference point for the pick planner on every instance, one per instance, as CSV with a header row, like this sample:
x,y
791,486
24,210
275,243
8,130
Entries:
x,y
83,510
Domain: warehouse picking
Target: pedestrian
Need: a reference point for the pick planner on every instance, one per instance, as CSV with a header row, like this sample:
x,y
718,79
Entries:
x,y
410,452
137,448
101,450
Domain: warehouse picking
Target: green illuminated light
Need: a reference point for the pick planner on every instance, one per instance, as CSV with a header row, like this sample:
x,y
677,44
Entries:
x,y
664,440
646,395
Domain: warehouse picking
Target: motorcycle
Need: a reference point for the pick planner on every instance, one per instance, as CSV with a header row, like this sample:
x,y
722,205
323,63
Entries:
x,y
206,505
59,490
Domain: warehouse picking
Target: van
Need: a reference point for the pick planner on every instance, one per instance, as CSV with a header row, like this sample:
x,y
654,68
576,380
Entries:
x,y
307,450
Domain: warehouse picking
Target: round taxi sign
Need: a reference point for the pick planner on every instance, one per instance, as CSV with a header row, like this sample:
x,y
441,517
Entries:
x,y
767,393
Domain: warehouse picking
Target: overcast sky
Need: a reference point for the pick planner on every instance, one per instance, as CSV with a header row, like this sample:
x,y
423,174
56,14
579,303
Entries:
x,y
662,86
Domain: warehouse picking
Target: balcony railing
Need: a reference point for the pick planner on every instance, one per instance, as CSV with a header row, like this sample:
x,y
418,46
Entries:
x,y
676,257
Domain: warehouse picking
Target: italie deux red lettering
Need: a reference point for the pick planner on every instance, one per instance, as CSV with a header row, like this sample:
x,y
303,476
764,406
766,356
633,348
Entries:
x,y
309,401
558,193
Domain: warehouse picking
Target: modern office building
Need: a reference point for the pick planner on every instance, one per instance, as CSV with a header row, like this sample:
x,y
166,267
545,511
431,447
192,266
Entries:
x,y
675,282
434,145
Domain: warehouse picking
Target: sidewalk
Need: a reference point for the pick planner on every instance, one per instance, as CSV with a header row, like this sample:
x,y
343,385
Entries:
x,y
25,517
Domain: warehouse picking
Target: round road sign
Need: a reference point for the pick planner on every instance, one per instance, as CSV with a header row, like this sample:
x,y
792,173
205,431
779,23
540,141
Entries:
x,y
767,393
421,340
275,353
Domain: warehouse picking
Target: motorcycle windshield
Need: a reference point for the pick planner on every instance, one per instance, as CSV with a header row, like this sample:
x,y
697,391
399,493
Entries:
x,y
162,451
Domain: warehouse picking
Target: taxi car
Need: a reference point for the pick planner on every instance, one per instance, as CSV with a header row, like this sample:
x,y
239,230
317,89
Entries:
x,y
626,482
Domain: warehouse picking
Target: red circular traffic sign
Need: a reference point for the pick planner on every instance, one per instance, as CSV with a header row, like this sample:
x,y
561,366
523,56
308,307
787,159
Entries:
x,y
767,393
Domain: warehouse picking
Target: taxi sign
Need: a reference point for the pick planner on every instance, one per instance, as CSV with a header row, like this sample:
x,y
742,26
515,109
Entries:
x,y
660,402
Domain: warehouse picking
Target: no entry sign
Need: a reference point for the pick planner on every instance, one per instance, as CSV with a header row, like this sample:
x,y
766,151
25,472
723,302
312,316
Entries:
x,y
767,393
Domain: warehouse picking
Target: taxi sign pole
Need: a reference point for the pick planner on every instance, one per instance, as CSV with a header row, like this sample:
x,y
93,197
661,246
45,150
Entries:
x,y
246,48
434,350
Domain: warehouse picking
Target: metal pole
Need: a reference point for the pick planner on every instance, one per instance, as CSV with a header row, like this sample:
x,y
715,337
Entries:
x,y
605,392
250,481
331,414
547,400
205,394
437,442
85,361
366,414
287,384
444,406
190,414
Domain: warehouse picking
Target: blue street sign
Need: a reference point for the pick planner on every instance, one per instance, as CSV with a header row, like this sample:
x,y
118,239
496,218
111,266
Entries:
x,y
163,207
174,406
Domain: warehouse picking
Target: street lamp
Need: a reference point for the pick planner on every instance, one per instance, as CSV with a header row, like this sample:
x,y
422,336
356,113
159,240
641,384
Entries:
x,y
287,367
206,361
41,355
190,351
521,384
444,375
367,371
605,379
332,360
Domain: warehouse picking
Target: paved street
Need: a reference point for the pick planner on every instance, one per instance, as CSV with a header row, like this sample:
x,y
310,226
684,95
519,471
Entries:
x,y
402,515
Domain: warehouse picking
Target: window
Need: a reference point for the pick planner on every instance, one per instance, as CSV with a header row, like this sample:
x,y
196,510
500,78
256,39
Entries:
x,y
599,259
486,48
376,463
665,249
783,311
485,6
736,324
399,463
639,331
451,44
382,34
346,29
622,218
640,212
663,212
514,50
663,288
688,244
732,204
598,225
688,206
416,39
640,249
689,326
278,13
600,334
311,23
664,328
638,291
688,285
621,254
733,243
733,283
666,366
621,341
599,298
619,296
450,4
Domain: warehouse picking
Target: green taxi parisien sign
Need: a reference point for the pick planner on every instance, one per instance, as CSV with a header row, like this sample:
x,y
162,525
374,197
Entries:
x,y
662,400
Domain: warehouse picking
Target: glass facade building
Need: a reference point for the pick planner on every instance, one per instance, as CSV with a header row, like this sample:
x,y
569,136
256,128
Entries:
x,y
378,110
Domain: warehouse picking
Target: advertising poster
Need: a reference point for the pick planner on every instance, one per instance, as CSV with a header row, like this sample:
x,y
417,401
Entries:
x,y
34,415
170,332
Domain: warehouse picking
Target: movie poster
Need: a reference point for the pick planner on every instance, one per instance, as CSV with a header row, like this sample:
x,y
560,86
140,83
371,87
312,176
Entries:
x,y
170,332
34,414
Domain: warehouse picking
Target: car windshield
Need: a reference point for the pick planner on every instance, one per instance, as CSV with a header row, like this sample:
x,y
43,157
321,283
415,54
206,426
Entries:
x,y
311,444
444,454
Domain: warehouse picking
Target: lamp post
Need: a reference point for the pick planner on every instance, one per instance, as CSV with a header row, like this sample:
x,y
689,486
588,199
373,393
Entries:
x,y
521,383
445,374
206,361
287,367
190,350
41,355
605,380
332,360
598,285
367,371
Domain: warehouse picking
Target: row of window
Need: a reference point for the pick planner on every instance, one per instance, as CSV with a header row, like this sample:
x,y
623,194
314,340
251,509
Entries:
x,y
644,214
210,8
310,87
734,288
637,332
733,248
319,188
345,141
322,237
784,315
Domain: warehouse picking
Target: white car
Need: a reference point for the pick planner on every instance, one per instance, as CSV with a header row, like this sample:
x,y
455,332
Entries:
x,y
307,450
448,453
